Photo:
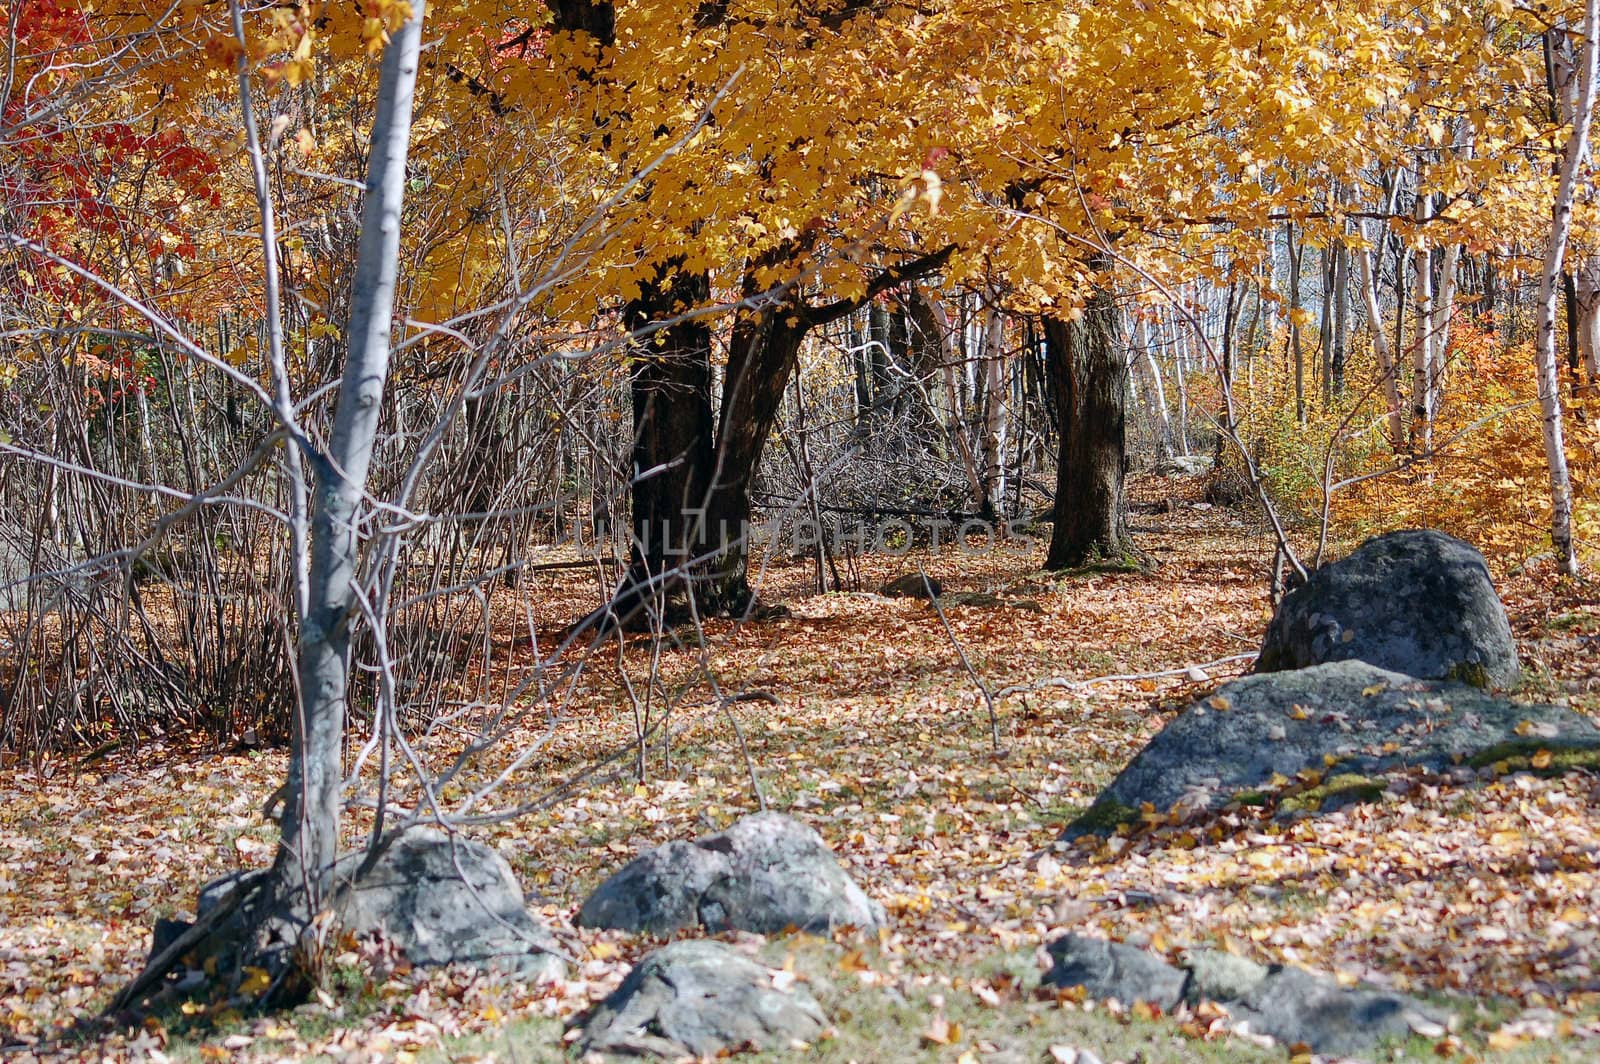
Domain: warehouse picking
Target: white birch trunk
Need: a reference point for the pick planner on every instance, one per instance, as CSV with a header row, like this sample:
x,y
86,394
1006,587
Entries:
x,y
994,407
1422,343
950,345
310,822
1549,280
1180,380
1158,391
1380,342
1586,281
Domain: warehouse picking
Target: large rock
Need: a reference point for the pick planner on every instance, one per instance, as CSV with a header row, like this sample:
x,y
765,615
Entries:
x,y
439,900
766,873
1360,717
1417,602
1291,1005
1114,970
447,901
700,999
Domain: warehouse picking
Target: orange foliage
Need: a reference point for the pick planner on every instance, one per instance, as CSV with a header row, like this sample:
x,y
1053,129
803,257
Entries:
x,y
1487,482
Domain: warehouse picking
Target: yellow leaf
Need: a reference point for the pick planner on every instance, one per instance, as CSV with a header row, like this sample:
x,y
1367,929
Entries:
x,y
941,1032
1298,712
1219,703
255,982
1503,1040
1374,689
1542,759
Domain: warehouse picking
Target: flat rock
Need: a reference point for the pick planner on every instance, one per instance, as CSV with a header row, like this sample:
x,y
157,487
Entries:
x,y
1232,743
1217,975
1291,1005
1294,1006
1114,970
1418,602
765,874
447,901
701,999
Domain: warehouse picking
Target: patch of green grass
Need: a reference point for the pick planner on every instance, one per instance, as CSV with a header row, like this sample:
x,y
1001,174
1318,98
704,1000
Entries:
x,y
1105,816
1471,672
888,1023
1519,755
536,1040
1343,789
1566,622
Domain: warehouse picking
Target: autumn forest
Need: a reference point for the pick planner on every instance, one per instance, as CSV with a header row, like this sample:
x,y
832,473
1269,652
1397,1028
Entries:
x,y
953,531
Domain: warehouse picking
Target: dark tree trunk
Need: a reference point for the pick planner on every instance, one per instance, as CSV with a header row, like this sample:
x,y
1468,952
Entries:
x,y
691,496
1090,382
672,427
761,358
878,351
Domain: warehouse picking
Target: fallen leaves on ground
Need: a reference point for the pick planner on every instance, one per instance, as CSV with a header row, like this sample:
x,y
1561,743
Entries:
x,y
1481,886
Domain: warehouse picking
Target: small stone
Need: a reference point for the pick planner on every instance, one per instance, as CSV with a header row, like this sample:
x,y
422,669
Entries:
x,y
912,585
701,999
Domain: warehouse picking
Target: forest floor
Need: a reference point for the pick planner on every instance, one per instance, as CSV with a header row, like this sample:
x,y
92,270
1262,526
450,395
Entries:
x,y
1478,893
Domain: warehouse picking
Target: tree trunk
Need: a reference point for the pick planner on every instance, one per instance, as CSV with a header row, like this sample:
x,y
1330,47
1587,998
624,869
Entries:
x,y
1422,343
1181,380
1341,317
761,358
1294,324
992,420
310,819
1560,228
1147,359
1090,381
672,427
1380,344
1586,286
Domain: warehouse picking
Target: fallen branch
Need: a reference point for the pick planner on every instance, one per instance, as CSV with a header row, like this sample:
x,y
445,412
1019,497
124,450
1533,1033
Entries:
x,y
1069,683
988,699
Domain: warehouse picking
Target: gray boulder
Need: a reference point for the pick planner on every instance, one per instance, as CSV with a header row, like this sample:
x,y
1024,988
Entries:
x,y
1225,747
446,901
912,585
1417,602
1291,1005
439,900
700,999
764,874
1114,970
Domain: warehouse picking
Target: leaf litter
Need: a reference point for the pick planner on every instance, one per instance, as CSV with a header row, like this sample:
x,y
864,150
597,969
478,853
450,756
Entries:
x,y
1476,884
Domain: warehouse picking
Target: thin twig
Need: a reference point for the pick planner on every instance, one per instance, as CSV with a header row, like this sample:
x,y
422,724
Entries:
x,y
988,699
1068,682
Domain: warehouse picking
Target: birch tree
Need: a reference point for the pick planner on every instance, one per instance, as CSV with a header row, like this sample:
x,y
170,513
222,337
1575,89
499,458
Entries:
x,y
1549,282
